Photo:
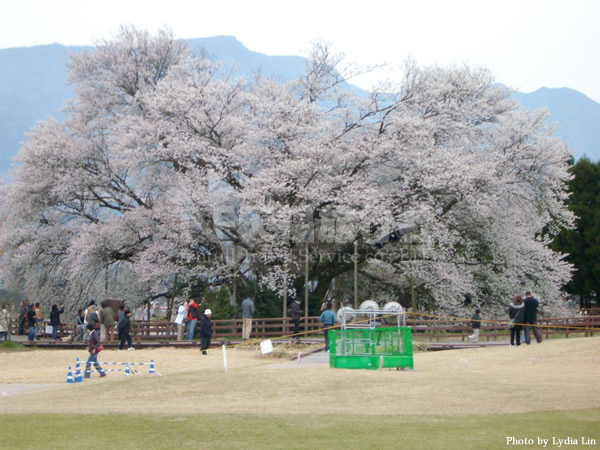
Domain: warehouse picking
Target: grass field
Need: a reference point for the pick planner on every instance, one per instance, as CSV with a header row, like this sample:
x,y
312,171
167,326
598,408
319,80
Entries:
x,y
472,398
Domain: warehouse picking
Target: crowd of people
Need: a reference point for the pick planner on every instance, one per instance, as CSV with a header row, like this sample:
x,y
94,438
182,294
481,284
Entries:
x,y
31,317
187,319
192,323
31,320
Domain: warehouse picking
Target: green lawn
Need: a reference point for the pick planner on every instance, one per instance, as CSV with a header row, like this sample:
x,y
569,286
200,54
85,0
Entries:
x,y
296,431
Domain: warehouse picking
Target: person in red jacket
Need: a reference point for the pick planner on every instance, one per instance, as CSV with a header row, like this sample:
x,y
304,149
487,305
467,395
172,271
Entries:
x,y
192,319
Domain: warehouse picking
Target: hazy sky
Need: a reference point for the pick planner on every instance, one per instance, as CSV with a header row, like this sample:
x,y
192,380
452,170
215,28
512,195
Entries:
x,y
527,44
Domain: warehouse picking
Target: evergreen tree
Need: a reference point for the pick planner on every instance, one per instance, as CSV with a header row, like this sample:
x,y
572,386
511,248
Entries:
x,y
582,243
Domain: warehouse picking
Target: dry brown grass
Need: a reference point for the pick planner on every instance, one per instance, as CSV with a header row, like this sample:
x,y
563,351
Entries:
x,y
555,375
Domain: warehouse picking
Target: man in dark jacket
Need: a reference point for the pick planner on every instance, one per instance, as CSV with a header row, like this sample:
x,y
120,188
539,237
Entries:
x,y
124,327
205,331
55,319
31,323
531,306
296,316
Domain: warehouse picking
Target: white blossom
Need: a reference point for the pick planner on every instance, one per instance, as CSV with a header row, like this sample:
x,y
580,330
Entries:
x,y
163,167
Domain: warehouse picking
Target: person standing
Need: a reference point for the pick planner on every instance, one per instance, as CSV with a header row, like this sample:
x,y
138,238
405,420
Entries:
x,y
516,312
31,323
124,327
192,319
4,322
23,308
296,316
205,331
55,319
247,315
121,313
179,320
101,322
93,349
87,315
476,326
327,318
92,317
531,306
107,316
39,320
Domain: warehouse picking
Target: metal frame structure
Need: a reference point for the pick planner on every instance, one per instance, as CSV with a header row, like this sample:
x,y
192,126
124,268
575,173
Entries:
x,y
372,316
365,343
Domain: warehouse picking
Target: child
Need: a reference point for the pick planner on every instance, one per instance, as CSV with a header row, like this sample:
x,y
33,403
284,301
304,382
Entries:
x,y
476,325
93,349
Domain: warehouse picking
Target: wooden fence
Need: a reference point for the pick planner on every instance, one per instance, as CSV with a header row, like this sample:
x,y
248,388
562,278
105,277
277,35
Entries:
x,y
432,330
437,330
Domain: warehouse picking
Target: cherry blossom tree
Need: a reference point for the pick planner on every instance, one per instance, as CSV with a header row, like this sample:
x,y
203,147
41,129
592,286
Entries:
x,y
166,171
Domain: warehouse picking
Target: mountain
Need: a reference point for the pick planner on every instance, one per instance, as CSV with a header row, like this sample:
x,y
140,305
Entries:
x,y
576,115
232,53
33,87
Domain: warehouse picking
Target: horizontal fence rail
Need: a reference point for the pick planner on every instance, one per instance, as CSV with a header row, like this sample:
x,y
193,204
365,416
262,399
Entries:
x,y
424,329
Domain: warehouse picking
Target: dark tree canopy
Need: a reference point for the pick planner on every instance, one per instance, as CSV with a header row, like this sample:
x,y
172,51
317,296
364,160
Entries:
x,y
582,243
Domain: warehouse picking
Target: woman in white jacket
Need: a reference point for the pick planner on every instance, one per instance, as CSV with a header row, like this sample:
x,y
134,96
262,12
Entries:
x,y
179,320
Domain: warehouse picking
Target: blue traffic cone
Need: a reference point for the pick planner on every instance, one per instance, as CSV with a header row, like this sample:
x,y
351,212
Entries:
x,y
78,378
151,366
69,376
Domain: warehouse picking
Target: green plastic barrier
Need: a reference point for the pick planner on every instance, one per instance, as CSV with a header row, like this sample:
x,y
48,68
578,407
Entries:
x,y
370,348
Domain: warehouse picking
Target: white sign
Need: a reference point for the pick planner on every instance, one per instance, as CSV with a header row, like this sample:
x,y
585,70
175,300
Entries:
x,y
266,347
